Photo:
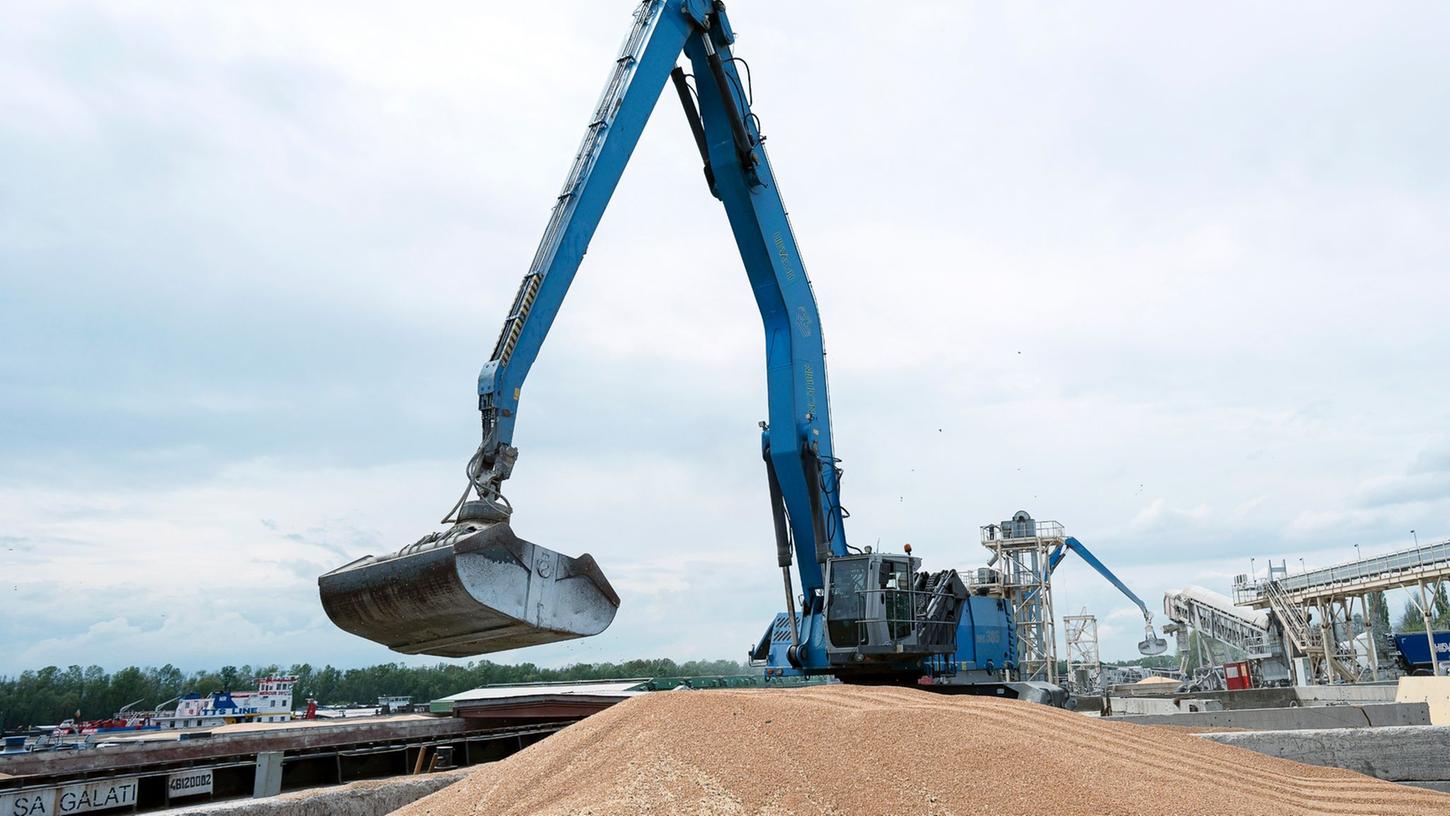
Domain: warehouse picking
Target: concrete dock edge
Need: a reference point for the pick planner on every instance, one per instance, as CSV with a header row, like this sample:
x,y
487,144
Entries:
x,y
374,797
1411,754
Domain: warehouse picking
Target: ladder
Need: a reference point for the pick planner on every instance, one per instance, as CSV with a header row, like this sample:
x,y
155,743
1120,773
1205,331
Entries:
x,y
1296,626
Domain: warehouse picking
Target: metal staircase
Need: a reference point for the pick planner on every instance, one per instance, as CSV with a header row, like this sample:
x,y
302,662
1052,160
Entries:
x,y
1295,624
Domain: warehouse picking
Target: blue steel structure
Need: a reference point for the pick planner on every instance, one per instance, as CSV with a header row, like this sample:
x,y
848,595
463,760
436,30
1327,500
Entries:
x,y
863,616
1151,644
797,438
802,468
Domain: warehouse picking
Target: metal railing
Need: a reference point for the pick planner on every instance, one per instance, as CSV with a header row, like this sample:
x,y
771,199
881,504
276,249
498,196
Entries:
x,y
995,534
1295,624
910,617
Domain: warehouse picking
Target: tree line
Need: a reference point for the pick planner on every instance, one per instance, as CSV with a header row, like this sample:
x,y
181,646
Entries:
x,y
51,694
1412,620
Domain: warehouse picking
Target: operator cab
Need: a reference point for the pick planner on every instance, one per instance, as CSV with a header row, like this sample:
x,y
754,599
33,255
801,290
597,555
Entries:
x,y
878,605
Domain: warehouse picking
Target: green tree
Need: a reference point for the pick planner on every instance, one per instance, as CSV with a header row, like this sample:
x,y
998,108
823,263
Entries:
x,y
1410,619
1440,606
1379,612
229,677
51,694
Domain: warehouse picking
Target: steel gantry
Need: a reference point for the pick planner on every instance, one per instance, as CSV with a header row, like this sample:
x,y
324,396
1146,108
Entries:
x,y
1324,615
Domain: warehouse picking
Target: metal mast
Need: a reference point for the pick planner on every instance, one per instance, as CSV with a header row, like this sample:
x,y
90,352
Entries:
x,y
1084,664
1021,549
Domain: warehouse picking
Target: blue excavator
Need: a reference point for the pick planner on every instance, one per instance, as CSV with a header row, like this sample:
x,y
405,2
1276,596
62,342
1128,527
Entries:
x,y
863,616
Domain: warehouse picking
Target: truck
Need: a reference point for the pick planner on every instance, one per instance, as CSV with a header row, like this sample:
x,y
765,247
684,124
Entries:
x,y
1413,649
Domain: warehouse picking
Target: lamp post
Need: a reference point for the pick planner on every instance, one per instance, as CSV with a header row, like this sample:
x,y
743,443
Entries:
x,y
1416,537
1302,568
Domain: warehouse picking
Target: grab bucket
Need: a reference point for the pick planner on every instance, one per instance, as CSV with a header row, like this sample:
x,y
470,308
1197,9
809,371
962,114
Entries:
x,y
475,589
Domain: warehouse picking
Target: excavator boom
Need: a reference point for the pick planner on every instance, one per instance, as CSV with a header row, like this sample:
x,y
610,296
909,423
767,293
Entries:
x,y
861,615
1151,644
476,587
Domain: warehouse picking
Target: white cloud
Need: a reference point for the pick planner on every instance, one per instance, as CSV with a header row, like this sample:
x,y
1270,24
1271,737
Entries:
x,y
1184,293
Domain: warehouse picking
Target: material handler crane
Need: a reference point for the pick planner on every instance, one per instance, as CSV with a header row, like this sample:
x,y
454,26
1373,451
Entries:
x,y
1151,644
863,616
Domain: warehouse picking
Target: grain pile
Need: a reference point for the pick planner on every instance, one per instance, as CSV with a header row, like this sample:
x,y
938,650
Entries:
x,y
1157,681
851,750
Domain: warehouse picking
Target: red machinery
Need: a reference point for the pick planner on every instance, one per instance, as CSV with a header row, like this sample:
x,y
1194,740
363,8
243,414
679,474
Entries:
x,y
1238,675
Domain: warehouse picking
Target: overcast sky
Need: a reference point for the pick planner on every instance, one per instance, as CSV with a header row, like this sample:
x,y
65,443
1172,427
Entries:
x,y
1176,277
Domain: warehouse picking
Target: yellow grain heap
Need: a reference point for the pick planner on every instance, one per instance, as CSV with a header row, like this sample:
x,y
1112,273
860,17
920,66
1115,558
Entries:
x,y
854,750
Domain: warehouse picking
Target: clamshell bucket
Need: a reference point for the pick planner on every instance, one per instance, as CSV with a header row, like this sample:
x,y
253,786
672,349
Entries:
x,y
474,589
1151,644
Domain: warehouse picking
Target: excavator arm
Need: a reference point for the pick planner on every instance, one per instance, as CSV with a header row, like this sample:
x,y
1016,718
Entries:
x,y
1151,643
476,587
798,434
